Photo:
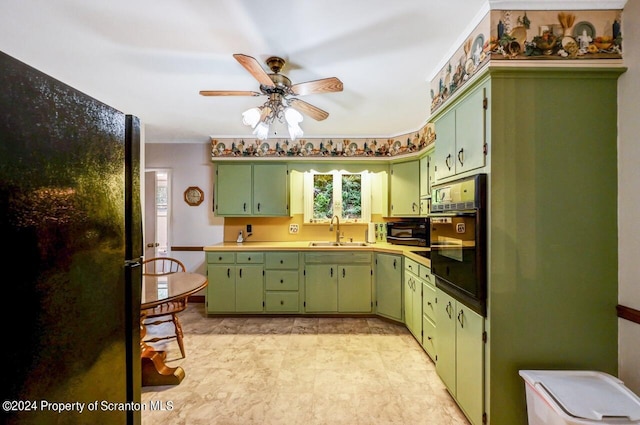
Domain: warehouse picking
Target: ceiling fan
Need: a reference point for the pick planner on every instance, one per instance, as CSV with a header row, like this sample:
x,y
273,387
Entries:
x,y
283,95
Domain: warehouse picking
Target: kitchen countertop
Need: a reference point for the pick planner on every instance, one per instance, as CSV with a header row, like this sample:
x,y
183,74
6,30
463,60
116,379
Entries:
x,y
304,246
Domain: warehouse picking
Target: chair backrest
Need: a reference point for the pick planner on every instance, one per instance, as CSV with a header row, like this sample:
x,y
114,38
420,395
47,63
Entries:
x,y
160,266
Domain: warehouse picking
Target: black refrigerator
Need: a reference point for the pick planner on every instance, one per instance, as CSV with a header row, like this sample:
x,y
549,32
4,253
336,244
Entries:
x,y
71,227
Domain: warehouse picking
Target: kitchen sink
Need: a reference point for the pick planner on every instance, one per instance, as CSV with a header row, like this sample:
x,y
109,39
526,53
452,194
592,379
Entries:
x,y
328,243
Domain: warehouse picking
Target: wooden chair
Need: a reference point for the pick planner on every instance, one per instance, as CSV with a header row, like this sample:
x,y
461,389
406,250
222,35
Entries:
x,y
162,266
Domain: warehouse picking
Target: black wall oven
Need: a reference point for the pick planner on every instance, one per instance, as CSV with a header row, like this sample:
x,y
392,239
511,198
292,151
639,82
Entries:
x,y
458,240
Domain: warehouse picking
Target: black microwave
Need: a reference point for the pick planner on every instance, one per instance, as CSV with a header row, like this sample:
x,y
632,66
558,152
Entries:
x,y
414,232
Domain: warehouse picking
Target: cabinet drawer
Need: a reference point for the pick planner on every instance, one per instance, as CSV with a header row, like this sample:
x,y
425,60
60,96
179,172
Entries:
x,y
249,257
411,265
220,257
428,337
342,257
281,301
281,260
426,276
429,301
282,280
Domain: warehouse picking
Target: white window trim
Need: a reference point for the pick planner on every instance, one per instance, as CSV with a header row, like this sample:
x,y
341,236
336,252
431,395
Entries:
x,y
365,193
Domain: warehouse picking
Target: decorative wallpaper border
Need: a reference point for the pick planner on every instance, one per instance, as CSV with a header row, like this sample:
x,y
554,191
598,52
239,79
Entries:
x,y
529,36
324,148
524,36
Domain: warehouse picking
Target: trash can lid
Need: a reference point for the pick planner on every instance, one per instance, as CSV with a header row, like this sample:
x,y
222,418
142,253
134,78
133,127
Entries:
x,y
586,394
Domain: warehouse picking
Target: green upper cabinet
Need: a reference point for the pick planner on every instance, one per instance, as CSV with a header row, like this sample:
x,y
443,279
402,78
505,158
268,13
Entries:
x,y
270,189
252,190
233,189
461,136
405,189
426,180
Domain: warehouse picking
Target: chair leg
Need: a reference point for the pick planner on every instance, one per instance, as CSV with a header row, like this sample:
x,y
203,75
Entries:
x,y
179,333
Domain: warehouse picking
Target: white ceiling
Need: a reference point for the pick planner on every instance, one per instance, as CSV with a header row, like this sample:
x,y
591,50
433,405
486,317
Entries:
x,y
150,58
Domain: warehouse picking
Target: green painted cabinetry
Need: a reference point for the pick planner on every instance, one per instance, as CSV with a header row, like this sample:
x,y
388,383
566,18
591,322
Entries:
x,y
460,354
405,189
413,298
236,282
282,282
321,288
461,136
338,282
388,279
354,288
428,311
243,189
427,177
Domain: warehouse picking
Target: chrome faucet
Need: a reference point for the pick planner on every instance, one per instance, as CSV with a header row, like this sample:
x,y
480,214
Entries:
x,y
337,227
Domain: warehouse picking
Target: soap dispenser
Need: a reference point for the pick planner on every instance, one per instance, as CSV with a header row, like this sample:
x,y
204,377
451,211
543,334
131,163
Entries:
x,y
240,238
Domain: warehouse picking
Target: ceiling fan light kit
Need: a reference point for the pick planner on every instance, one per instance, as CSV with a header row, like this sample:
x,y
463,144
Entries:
x,y
282,105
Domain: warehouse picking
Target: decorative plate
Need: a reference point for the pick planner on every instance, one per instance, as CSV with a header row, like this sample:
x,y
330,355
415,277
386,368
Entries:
x,y
478,44
583,26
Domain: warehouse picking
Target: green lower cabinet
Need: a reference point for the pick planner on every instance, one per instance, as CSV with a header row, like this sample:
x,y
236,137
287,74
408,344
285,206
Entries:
x,y
388,279
460,354
249,289
236,284
429,337
413,299
428,311
221,290
321,288
281,302
354,289
282,277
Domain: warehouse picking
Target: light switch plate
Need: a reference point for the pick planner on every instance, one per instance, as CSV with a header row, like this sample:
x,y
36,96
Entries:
x,y
293,229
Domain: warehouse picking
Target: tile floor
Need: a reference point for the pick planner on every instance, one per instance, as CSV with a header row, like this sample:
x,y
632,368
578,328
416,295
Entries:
x,y
299,370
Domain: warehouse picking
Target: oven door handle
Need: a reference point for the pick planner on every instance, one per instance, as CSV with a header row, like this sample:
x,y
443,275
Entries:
x,y
454,214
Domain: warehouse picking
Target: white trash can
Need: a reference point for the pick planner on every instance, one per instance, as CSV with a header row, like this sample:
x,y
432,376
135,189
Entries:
x,y
560,397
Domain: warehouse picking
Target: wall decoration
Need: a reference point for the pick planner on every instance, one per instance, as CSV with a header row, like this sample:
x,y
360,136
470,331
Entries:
x,y
193,196
324,148
529,36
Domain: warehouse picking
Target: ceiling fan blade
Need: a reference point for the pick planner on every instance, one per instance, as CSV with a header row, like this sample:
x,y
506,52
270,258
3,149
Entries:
x,y
254,68
308,109
228,93
325,85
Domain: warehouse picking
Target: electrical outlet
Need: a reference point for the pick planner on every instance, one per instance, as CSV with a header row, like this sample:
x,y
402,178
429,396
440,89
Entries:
x,y
248,228
293,229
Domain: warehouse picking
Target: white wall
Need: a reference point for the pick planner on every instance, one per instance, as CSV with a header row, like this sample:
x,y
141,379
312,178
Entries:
x,y
190,226
629,196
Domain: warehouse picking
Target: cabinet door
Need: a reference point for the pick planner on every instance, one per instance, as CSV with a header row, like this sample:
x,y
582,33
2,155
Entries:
x,y
321,288
221,291
354,289
470,362
425,185
416,310
233,189
249,288
444,156
446,339
409,281
270,189
405,189
424,176
470,132
389,285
